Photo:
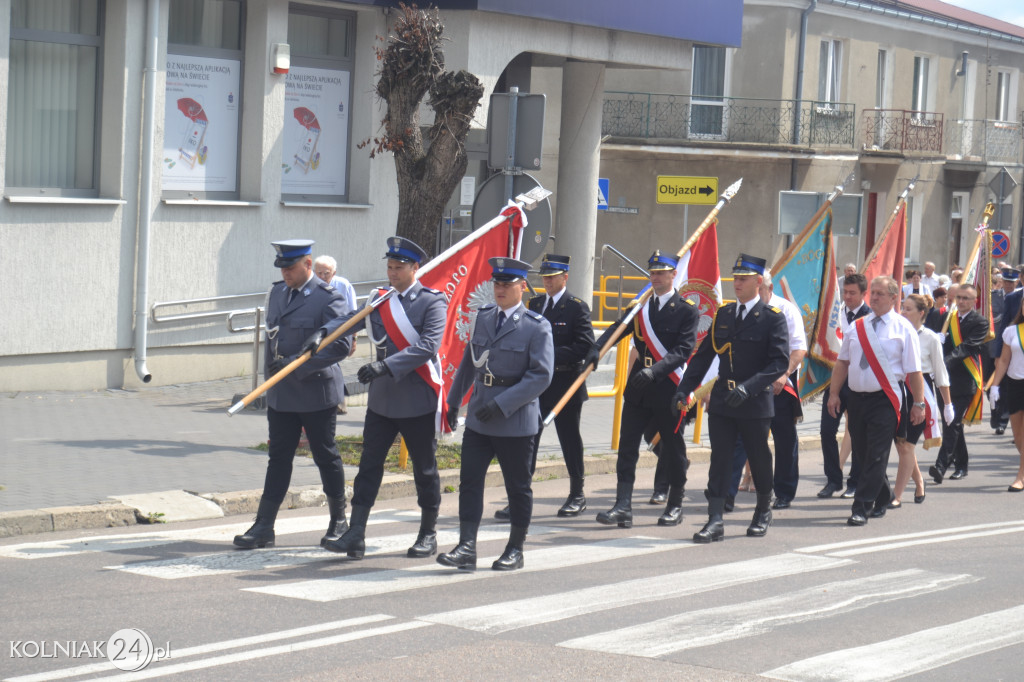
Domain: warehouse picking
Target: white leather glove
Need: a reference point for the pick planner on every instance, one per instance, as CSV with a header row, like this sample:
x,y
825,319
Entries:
x,y
993,396
948,413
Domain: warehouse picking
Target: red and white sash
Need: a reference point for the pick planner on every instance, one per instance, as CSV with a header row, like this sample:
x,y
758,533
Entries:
x,y
654,345
403,334
932,418
875,354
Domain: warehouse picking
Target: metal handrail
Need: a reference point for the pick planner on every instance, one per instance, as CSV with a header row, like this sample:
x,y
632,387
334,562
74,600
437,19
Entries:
x,y
198,316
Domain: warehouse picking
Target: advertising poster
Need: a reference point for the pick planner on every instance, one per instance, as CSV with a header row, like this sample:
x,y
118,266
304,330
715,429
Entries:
x,y
201,124
315,131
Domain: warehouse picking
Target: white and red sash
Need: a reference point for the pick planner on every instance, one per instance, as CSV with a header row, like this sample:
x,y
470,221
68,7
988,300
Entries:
x,y
403,334
932,419
654,345
875,354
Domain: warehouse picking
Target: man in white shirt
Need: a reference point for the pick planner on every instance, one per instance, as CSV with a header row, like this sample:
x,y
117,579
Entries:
x,y
930,277
881,356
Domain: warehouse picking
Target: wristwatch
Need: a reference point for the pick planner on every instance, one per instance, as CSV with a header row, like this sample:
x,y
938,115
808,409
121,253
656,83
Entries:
x,y
921,405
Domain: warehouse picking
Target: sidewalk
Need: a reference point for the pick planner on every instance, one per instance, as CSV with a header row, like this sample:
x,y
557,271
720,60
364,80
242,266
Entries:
x,y
117,457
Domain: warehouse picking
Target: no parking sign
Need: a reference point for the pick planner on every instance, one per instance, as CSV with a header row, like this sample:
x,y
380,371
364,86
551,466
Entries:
x,y
1000,244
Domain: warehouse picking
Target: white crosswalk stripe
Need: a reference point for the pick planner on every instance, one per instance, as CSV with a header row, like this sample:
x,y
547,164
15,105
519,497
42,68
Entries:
x,y
911,654
431,575
706,627
236,561
511,615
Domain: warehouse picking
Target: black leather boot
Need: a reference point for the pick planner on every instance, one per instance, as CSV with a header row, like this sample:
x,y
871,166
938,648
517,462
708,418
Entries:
x,y
512,557
714,529
762,516
576,502
338,524
673,515
353,541
622,512
464,554
503,514
262,532
426,541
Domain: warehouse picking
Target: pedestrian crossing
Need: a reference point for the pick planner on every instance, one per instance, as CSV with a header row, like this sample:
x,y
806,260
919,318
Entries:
x,y
827,585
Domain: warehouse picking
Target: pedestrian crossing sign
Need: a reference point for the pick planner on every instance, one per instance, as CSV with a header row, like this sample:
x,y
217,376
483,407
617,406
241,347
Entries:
x,y
602,194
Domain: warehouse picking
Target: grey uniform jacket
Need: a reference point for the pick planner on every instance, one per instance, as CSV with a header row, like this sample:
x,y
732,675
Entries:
x,y
522,350
404,393
317,384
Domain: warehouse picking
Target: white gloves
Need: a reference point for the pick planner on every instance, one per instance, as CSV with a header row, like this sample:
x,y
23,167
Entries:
x,y
948,413
993,396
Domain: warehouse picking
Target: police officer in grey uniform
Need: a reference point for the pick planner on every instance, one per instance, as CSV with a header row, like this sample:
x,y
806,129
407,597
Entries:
x,y
404,397
508,362
297,309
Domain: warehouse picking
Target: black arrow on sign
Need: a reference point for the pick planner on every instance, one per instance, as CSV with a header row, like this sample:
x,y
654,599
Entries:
x,y
706,190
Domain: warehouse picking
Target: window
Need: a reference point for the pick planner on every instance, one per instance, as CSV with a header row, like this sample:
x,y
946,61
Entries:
x,y
1003,101
829,69
202,98
919,99
318,97
52,116
881,79
707,105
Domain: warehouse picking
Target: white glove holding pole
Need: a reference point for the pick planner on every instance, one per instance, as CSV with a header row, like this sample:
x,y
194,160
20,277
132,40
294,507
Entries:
x,y
948,413
993,396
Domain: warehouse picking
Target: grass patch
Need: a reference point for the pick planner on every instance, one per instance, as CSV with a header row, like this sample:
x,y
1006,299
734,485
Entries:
x,y
449,455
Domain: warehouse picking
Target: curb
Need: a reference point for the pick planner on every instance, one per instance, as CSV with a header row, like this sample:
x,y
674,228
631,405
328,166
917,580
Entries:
x,y
114,514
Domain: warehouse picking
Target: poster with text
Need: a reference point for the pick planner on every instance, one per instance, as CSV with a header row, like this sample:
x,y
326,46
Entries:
x,y
315,132
201,124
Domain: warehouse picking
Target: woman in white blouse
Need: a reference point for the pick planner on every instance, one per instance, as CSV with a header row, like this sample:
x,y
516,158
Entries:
x,y
915,309
1008,387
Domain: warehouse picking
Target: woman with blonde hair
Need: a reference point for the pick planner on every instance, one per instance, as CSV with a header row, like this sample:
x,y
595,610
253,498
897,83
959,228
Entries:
x,y
1008,388
915,309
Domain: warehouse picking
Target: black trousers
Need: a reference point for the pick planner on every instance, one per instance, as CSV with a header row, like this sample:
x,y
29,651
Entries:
x,y
873,424
378,435
723,432
829,431
787,446
954,447
514,454
567,426
285,430
635,419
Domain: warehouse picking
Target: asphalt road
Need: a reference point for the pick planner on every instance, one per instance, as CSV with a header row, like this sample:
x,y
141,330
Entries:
x,y
930,592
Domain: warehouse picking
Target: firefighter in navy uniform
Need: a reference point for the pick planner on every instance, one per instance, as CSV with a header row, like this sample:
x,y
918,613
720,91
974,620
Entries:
x,y
404,381
508,363
297,308
751,341
573,337
664,333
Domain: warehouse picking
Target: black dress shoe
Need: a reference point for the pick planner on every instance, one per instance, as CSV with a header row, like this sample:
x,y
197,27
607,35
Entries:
x,y
730,503
658,498
781,503
1011,489
849,493
510,560
462,557
894,505
958,474
673,516
1000,431
617,515
857,519
573,506
877,512
936,475
829,490
425,545
713,531
918,499
503,514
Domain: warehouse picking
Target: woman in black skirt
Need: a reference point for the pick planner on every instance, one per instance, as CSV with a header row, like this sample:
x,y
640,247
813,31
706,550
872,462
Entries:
x,y
1008,388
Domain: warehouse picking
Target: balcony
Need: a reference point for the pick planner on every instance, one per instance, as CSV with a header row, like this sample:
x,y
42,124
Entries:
x,y
728,119
984,141
903,131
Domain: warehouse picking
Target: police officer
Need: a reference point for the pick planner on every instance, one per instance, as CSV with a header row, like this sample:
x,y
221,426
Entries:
x,y
664,333
297,309
405,397
508,363
573,337
752,344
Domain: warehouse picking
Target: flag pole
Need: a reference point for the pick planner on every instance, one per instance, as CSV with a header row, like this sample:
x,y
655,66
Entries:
x,y
900,200
524,202
989,210
725,198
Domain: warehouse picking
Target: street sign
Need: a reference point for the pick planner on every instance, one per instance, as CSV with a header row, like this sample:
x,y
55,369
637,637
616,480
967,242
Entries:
x,y
1000,244
687,189
529,131
1002,183
602,194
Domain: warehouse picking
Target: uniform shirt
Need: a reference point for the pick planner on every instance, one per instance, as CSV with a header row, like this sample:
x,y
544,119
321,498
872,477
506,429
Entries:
x,y
931,356
1016,368
843,324
899,343
794,322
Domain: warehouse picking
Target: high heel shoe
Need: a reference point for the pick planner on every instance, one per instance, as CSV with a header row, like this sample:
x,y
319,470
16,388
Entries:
x,y
918,499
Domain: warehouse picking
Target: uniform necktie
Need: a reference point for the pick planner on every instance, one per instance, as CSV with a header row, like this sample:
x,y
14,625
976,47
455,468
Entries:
x,y
863,357
501,321
548,308
739,312
849,317
654,304
291,295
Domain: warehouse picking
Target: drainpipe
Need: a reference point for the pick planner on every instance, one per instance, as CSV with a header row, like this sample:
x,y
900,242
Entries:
x,y
801,51
146,189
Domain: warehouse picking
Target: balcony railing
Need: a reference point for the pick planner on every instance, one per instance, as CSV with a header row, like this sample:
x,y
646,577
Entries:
x,y
981,140
728,119
900,130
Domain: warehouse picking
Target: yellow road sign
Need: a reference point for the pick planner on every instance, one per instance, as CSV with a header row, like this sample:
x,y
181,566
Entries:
x,y
687,189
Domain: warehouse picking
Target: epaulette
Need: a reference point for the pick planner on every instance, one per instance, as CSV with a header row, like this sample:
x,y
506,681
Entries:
x,y
486,307
575,300
280,281
534,315
689,301
774,309
327,287
433,291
